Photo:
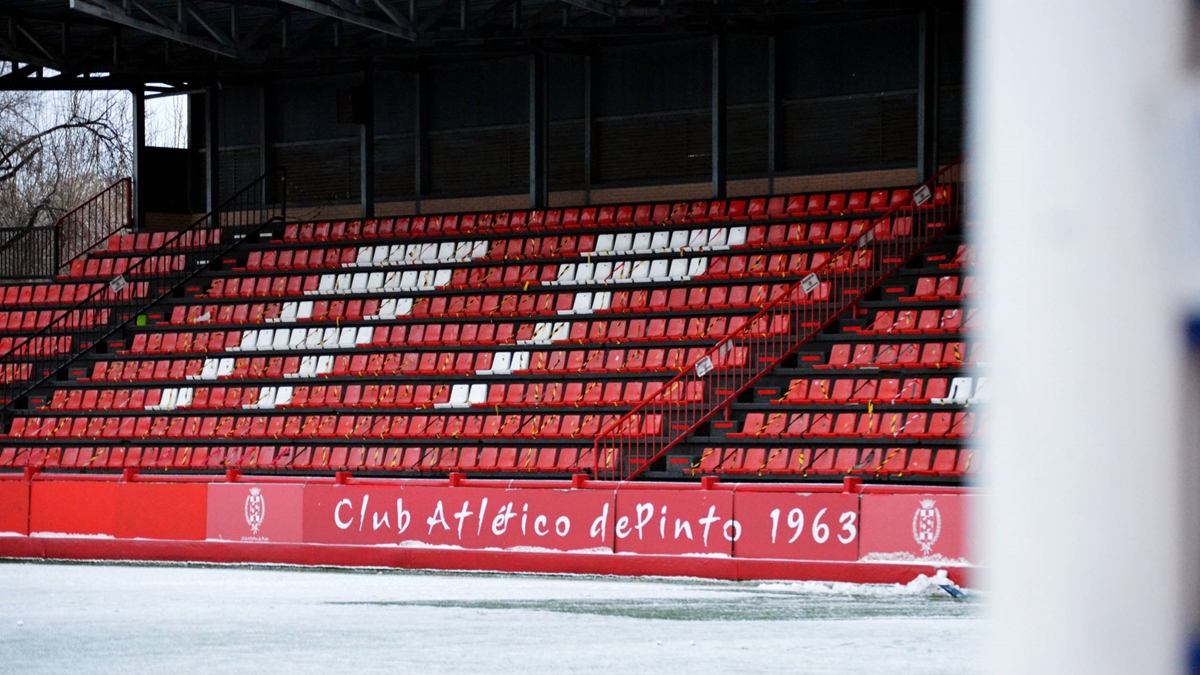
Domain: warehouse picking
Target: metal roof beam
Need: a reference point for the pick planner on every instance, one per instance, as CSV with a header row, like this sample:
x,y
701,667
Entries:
x,y
614,10
151,11
353,18
11,52
251,39
103,9
218,34
395,15
24,30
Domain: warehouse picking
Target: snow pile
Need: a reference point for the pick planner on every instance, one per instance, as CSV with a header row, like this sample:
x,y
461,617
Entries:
x,y
935,559
921,586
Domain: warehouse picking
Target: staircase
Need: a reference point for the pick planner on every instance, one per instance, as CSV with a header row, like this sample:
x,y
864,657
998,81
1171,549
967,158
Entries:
x,y
792,317
157,273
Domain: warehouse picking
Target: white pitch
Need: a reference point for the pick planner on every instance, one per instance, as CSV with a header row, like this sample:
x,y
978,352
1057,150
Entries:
x,y
176,619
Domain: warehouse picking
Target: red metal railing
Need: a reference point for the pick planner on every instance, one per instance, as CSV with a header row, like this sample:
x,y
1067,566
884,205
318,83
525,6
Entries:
x,y
792,316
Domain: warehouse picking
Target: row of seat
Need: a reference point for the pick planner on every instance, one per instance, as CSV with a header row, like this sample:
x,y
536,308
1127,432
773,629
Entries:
x,y
485,458
922,425
918,322
541,362
901,355
12,373
633,272
913,390
447,334
931,289
680,299
964,257
132,266
147,242
385,426
36,346
34,319
495,395
23,295
795,206
542,247
450,334
876,462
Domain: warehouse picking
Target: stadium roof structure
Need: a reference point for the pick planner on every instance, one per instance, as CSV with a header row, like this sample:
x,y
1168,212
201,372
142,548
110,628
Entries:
x,y
75,44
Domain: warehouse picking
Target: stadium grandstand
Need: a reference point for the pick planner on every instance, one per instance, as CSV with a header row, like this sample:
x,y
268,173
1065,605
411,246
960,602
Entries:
x,y
694,245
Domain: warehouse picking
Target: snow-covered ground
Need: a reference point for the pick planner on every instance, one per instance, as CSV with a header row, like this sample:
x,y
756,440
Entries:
x,y
151,619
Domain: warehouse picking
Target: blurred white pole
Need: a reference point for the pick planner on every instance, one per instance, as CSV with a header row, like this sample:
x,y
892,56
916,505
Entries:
x,y
1082,523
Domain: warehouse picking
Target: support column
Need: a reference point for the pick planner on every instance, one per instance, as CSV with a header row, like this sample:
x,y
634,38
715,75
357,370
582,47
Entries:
x,y
774,112
589,128
212,164
420,142
718,114
366,145
539,123
1071,103
139,155
265,127
927,95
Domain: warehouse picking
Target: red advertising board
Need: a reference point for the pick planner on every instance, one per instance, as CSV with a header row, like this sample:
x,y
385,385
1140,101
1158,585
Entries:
x,y
73,507
14,506
467,517
674,522
254,512
915,527
161,511
796,526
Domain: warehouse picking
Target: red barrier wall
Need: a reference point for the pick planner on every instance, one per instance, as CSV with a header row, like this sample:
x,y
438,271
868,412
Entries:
x,y
256,512
73,507
674,522
123,510
905,527
797,526
14,506
467,517
161,511
726,531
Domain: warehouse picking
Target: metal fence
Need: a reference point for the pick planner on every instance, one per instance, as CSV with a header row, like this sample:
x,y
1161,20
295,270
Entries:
x,y
84,227
151,275
28,253
42,252
791,317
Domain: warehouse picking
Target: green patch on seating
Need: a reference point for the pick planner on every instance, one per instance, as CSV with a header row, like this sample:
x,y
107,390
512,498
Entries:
x,y
141,320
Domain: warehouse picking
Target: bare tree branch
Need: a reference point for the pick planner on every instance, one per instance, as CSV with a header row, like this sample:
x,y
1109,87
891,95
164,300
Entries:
x,y
57,149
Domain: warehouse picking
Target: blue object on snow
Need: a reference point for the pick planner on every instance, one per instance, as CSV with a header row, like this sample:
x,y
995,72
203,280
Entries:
x,y
954,591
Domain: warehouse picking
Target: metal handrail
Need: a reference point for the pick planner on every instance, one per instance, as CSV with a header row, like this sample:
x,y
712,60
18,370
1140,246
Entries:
x,y
792,317
38,251
113,204
37,358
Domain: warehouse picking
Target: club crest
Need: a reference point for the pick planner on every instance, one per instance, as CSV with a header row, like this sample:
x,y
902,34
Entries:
x,y
927,525
256,509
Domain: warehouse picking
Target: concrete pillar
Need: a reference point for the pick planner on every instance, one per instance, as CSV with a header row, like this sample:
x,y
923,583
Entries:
x,y
1082,471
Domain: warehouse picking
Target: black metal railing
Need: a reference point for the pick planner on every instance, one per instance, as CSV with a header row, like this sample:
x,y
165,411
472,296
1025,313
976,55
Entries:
x,y
41,252
27,253
150,276
86,226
